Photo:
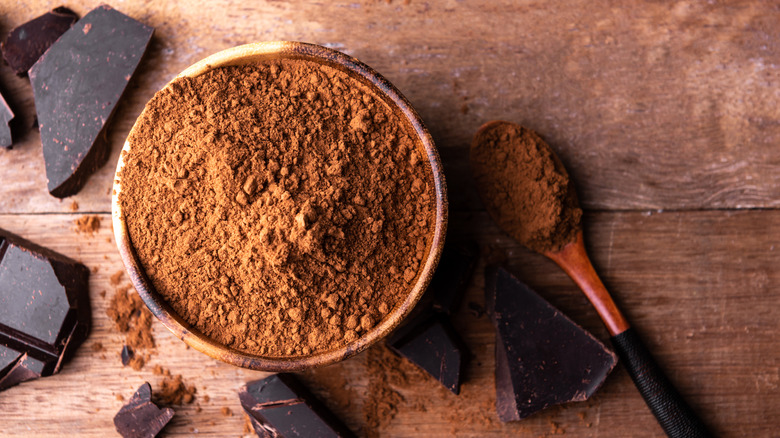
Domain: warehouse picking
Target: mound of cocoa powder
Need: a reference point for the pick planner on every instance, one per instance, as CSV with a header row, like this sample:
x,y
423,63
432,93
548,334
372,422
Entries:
x,y
524,187
280,208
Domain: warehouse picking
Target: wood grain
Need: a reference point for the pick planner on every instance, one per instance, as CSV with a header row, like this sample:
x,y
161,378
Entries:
x,y
667,117
649,106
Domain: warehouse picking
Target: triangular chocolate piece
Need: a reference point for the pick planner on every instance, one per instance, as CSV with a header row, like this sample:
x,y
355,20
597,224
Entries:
x,y
432,344
543,358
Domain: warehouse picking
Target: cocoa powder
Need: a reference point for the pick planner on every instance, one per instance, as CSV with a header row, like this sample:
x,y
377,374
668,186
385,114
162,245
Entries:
x,y
173,390
281,208
87,224
524,187
134,319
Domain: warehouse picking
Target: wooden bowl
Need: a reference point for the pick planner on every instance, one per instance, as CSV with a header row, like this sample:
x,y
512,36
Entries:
x,y
252,53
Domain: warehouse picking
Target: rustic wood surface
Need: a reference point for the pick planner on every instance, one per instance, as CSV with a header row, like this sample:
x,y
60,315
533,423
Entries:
x,y
666,114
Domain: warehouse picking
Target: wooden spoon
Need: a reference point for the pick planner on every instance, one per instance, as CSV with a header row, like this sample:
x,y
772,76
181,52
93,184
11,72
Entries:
x,y
674,415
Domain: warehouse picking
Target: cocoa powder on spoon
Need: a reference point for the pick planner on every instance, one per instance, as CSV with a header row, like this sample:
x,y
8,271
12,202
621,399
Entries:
x,y
524,187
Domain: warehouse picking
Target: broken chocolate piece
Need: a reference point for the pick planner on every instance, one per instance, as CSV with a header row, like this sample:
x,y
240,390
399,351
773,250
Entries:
x,y
6,115
77,84
280,406
44,309
433,345
140,417
428,340
127,355
26,43
452,275
542,357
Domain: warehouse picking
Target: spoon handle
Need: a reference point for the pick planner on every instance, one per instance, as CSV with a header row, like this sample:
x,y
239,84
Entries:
x,y
675,416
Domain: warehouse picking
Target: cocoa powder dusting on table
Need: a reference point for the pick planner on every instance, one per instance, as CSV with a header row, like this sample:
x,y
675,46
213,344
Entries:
x,y
87,224
525,189
116,278
281,209
173,390
386,374
133,318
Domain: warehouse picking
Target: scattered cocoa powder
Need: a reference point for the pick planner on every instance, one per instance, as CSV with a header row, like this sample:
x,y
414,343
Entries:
x,y
226,412
132,318
138,361
248,429
524,186
395,385
281,208
386,372
173,390
336,386
116,278
87,224
555,428
74,206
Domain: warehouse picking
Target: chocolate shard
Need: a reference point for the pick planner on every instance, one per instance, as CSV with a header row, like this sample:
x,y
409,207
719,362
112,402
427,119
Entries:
x,y
77,84
140,417
432,344
280,406
429,340
6,115
542,357
26,43
452,275
44,309
127,355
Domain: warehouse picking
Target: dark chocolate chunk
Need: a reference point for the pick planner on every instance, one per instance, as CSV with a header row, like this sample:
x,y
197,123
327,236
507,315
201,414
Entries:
x,y
542,357
26,43
77,84
140,417
127,355
433,345
428,339
280,406
6,115
452,275
44,309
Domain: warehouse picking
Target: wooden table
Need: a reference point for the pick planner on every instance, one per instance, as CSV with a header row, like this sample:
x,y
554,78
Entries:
x,y
667,116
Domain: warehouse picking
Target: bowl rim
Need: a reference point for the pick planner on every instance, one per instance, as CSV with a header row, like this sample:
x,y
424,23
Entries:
x,y
255,52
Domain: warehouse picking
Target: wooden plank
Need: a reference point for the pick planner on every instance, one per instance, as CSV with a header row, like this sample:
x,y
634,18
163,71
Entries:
x,y
650,106
701,287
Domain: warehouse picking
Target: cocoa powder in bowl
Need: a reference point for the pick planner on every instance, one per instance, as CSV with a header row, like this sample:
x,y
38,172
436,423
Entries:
x,y
281,208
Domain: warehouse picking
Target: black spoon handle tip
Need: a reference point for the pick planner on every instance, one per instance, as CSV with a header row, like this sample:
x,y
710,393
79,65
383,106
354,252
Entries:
x,y
675,416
